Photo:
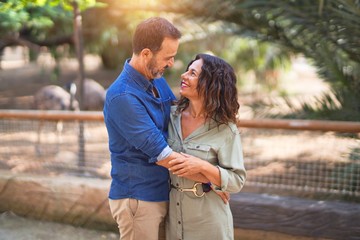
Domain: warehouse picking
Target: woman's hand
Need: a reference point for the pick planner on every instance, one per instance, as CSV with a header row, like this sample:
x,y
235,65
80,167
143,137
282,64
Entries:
x,y
225,196
186,165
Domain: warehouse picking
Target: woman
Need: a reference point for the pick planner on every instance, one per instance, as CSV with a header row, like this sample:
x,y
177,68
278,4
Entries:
x,y
203,128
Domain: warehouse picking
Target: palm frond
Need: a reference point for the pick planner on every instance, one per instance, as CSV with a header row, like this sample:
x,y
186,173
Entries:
x,y
327,32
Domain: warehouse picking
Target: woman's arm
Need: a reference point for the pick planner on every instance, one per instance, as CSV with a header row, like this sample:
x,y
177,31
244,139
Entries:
x,y
230,173
173,158
188,165
231,163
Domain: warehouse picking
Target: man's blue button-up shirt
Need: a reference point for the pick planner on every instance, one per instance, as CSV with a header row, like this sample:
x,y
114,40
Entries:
x,y
137,124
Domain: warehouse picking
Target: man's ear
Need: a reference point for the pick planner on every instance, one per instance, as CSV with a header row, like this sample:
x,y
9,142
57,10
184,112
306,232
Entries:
x,y
146,53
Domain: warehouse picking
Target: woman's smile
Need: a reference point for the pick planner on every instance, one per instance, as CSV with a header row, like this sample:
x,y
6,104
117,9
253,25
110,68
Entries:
x,y
184,85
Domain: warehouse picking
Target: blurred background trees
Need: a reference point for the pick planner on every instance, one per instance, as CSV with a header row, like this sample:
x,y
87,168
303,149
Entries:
x,y
326,31
257,36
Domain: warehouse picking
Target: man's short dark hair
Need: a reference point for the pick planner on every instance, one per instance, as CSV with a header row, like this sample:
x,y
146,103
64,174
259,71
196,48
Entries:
x,y
151,33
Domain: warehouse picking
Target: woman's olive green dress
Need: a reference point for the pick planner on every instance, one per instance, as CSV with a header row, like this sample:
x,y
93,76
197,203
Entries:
x,y
208,217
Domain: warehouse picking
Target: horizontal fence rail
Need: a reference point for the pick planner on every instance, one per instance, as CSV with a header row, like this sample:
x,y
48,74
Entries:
x,y
52,115
312,125
283,156
315,125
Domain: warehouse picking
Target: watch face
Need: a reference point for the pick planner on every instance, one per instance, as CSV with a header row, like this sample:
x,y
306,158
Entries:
x,y
206,187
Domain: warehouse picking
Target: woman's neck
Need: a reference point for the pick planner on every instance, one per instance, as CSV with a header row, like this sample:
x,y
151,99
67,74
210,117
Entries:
x,y
196,109
193,117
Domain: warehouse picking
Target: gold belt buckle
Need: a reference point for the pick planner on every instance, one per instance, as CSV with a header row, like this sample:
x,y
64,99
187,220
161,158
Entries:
x,y
193,189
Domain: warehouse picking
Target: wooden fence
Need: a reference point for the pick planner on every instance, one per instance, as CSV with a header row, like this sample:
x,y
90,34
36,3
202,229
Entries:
x,y
327,162
313,125
281,155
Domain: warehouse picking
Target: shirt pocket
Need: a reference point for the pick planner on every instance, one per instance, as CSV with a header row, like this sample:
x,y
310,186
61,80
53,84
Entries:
x,y
200,150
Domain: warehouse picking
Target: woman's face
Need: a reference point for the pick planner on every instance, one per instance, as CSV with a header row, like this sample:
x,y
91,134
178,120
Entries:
x,y
190,79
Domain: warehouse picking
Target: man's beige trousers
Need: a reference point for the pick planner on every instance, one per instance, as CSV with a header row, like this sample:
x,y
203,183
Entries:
x,y
139,220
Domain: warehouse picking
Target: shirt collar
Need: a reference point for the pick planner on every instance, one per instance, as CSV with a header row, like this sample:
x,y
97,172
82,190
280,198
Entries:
x,y
176,116
137,77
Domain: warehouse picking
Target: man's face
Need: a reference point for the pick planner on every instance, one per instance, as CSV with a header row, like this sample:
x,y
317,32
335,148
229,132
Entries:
x,y
162,59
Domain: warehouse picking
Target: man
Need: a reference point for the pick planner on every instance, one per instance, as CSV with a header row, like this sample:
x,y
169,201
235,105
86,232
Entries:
x,y
136,113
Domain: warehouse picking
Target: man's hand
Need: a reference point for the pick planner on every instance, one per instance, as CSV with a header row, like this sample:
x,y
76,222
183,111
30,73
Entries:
x,y
186,165
198,177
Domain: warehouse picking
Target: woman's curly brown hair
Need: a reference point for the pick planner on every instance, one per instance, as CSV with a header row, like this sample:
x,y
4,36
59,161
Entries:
x,y
217,83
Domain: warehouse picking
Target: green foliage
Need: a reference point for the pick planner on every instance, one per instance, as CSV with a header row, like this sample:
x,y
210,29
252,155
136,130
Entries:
x,y
110,38
335,105
264,59
327,32
83,4
12,16
40,22
34,21
244,54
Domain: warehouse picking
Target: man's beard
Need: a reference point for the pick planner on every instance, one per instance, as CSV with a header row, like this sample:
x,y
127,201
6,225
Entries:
x,y
155,73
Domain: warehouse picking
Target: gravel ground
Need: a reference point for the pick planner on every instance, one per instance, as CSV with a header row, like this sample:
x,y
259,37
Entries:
x,y
13,227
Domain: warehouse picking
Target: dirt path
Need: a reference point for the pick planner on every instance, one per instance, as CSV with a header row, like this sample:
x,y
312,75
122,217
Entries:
x,y
13,227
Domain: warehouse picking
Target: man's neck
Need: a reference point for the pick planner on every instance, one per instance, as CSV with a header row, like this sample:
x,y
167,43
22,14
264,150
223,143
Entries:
x,y
136,63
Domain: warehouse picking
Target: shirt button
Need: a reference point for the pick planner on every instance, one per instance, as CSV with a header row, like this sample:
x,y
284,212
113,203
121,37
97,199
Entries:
x,y
179,222
177,184
178,204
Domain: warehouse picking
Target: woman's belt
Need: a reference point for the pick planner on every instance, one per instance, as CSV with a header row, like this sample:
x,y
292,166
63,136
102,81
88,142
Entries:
x,y
206,187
